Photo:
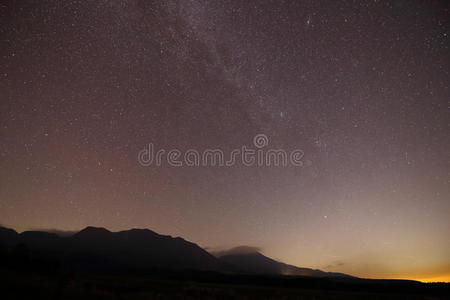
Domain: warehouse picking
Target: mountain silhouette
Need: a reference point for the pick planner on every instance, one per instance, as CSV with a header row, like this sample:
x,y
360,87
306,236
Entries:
x,y
141,250
98,249
96,263
256,263
8,236
92,232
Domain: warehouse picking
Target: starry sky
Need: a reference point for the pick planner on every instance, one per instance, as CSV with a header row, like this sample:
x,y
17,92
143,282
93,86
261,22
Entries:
x,y
361,87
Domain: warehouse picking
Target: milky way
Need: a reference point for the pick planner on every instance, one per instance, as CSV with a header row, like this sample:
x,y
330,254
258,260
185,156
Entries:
x,y
360,88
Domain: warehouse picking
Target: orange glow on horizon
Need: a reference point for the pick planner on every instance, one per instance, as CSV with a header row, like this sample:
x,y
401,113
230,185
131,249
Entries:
x,y
443,278
426,279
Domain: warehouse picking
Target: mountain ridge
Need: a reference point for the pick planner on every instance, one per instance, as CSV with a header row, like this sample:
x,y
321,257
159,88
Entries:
x,y
257,263
99,249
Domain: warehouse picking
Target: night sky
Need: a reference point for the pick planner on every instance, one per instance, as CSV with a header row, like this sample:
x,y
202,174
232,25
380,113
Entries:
x,y
361,87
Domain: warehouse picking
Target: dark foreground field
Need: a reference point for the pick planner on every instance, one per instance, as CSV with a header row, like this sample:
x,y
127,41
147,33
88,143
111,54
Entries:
x,y
26,284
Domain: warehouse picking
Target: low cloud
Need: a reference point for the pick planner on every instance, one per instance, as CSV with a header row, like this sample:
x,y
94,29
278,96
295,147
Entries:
x,y
61,233
236,250
335,264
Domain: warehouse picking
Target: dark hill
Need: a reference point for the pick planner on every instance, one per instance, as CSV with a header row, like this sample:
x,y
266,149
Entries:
x,y
256,263
8,236
101,250
142,250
